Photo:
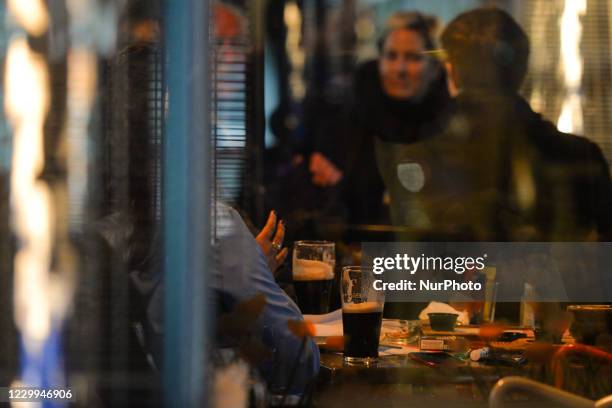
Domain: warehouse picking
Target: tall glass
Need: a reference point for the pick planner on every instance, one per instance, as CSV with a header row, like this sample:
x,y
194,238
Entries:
x,y
313,274
362,309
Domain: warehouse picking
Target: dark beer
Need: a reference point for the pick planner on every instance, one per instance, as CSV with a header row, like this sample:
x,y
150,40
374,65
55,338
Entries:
x,y
313,295
313,283
361,323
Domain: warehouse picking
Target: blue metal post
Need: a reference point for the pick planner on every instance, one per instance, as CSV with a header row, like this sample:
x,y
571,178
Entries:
x,y
187,192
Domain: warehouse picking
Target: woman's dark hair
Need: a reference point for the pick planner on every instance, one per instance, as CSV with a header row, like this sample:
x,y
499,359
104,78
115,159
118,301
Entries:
x,y
422,24
487,49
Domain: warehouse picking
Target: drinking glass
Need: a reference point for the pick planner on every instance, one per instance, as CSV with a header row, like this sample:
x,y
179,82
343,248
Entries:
x,y
362,309
313,274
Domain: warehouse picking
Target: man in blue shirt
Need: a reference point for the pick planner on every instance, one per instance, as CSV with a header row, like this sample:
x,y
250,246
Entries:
x,y
242,271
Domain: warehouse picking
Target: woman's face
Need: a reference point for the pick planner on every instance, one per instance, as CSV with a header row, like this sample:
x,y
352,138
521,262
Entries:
x,y
403,68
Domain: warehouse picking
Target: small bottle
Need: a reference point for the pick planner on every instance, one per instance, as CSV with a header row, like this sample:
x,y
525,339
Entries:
x,y
527,315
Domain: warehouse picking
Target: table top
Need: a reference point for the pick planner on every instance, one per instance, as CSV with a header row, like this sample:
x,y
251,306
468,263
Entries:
x,y
401,369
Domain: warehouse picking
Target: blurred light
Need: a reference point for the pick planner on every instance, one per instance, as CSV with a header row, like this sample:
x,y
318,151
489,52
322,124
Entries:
x,y
570,119
93,24
39,216
365,32
82,78
293,20
536,100
27,102
524,184
364,29
31,15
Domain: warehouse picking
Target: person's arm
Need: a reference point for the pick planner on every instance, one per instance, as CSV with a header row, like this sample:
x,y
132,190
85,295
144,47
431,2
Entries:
x,y
286,347
324,172
240,255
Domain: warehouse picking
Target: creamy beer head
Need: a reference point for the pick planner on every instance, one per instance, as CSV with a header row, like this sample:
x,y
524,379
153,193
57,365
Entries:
x,y
309,270
365,307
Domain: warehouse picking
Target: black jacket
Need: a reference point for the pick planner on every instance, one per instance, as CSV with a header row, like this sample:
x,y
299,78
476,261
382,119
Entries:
x,y
370,114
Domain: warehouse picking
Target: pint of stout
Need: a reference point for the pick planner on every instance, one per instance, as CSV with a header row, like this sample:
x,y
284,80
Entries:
x,y
313,275
362,309
361,323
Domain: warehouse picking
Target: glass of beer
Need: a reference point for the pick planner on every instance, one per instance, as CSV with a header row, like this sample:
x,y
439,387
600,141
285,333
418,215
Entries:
x,y
313,274
362,309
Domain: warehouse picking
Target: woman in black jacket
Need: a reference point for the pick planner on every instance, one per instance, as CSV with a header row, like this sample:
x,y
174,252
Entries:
x,y
397,98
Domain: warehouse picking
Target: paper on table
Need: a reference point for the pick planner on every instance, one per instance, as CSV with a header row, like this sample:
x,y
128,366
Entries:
x,y
324,318
396,351
329,324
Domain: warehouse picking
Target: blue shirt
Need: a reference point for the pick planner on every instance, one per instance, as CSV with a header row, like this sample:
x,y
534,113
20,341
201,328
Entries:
x,y
241,271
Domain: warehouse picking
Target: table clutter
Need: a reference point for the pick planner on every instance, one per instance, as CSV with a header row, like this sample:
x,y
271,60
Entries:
x,y
402,337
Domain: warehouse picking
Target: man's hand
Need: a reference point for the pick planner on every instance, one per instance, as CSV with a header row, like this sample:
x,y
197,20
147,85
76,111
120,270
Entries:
x,y
324,172
270,240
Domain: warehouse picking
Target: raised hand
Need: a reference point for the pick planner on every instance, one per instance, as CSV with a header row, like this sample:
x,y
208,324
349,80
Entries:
x,y
270,240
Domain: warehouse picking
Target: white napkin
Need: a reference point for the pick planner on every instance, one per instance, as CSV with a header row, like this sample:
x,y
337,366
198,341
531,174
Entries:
x,y
439,307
